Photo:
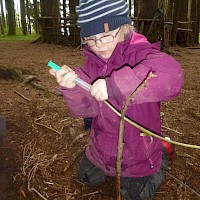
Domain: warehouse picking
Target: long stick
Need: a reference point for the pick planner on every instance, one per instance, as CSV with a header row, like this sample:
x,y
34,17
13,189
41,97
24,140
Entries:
x,y
121,135
149,132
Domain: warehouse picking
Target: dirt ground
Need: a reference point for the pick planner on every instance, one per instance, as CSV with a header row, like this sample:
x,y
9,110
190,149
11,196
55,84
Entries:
x,y
43,144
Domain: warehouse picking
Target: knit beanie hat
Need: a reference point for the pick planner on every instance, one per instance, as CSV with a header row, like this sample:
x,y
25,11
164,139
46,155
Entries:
x,y
98,16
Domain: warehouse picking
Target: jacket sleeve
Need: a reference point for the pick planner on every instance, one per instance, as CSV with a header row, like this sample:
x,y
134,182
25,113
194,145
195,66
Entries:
x,y
165,83
79,101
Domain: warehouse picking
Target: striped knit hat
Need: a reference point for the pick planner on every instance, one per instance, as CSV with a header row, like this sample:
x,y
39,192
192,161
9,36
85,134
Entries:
x,y
98,16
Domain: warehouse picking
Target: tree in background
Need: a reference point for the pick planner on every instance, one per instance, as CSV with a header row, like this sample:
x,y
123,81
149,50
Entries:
x,y
156,19
74,31
146,13
195,16
11,17
136,7
2,18
50,11
185,28
28,15
64,16
184,16
169,11
175,21
23,17
36,16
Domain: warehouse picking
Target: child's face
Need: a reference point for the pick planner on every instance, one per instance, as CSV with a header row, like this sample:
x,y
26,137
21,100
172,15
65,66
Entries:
x,y
103,44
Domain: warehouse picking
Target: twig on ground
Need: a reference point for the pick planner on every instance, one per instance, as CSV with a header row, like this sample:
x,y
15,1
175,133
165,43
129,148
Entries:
x,y
34,161
92,193
21,95
186,186
28,79
40,87
33,189
172,130
185,155
39,118
25,78
69,196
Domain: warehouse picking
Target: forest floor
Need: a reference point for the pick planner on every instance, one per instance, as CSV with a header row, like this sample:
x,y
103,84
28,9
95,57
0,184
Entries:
x,y
43,144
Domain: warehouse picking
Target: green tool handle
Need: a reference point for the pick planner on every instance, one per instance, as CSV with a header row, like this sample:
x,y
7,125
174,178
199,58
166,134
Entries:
x,y
78,81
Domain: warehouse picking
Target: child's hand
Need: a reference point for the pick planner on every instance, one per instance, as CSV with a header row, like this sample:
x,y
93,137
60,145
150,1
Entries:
x,y
65,76
99,90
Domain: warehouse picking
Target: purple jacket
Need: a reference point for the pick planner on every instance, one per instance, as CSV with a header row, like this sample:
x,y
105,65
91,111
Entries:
x,y
127,68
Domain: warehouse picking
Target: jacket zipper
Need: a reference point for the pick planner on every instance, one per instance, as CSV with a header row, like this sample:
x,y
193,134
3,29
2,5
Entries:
x,y
104,69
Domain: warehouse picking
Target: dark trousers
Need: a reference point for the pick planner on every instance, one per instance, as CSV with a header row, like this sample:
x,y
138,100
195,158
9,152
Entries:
x,y
131,188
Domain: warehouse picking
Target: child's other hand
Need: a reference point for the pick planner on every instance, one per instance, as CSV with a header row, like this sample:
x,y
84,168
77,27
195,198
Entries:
x,y
65,76
99,90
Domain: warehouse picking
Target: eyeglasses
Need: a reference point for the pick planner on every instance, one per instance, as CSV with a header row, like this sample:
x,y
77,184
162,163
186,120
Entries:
x,y
104,39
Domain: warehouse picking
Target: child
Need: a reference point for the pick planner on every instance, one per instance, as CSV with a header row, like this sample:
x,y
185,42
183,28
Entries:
x,y
117,61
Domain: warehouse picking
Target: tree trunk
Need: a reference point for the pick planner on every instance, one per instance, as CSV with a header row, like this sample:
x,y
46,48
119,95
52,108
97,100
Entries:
x,y
28,16
3,15
136,7
198,21
1,26
36,16
130,6
170,8
72,7
196,18
183,11
147,13
2,19
64,8
50,11
65,21
186,34
74,31
175,21
23,17
11,17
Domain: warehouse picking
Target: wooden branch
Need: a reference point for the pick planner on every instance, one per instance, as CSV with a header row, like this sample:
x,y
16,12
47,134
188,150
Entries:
x,y
192,47
144,130
171,130
184,29
188,187
40,87
151,25
21,95
39,194
28,79
39,118
121,134
143,20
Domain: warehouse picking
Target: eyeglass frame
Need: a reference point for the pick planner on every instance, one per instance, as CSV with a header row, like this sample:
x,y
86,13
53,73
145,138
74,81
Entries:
x,y
85,41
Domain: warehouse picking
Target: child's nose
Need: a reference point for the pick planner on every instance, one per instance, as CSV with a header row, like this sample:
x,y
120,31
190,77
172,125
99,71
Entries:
x,y
99,43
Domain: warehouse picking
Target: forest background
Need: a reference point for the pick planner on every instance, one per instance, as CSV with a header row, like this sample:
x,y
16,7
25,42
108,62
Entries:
x,y
169,21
